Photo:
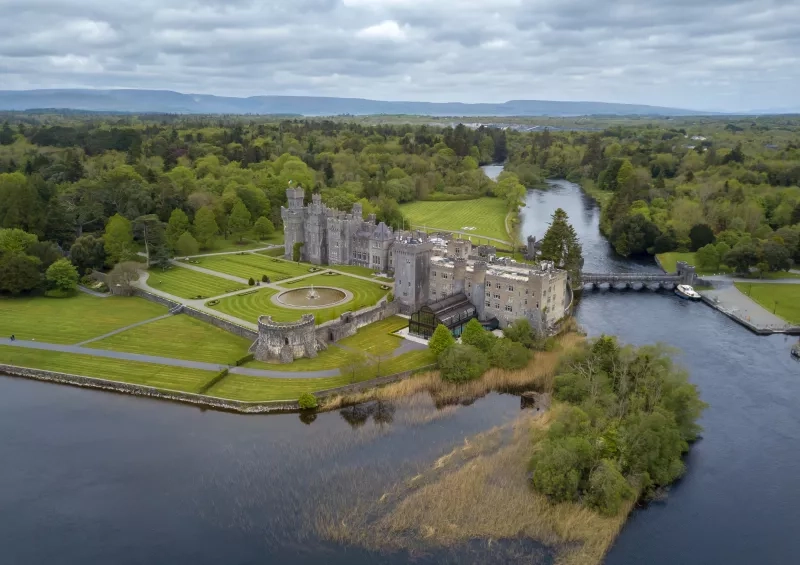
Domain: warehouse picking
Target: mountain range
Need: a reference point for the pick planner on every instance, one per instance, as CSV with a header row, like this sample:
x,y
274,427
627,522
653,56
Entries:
x,y
166,101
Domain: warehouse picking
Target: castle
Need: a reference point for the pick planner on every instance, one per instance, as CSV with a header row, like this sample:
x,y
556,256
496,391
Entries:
x,y
437,280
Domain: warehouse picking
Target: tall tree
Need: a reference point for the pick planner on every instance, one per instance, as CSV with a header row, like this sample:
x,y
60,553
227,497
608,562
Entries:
x,y
118,240
88,253
178,224
561,245
205,227
239,220
62,275
19,272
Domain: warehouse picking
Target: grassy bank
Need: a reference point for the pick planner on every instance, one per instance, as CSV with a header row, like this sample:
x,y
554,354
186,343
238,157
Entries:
x,y
178,337
486,215
71,320
781,299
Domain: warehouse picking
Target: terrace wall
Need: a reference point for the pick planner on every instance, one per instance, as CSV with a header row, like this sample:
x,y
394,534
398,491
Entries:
x,y
348,323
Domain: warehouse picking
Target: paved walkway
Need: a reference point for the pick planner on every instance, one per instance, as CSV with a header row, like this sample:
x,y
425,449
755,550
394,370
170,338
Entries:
x,y
120,330
730,300
91,292
199,365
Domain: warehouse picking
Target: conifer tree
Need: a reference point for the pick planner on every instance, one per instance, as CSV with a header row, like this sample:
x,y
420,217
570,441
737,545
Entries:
x,y
561,246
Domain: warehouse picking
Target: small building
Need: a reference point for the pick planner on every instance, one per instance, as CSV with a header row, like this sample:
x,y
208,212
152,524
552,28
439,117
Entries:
x,y
452,312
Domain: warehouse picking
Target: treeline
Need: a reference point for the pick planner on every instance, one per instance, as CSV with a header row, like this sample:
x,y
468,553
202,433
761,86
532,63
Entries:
x,y
63,176
658,182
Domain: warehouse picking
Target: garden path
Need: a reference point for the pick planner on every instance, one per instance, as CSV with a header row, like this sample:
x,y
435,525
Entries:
x,y
93,292
199,365
120,330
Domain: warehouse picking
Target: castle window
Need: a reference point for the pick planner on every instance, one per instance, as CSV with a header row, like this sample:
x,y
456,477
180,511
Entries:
x,y
433,293
497,286
433,274
526,291
458,251
508,308
511,288
497,305
444,275
488,304
497,297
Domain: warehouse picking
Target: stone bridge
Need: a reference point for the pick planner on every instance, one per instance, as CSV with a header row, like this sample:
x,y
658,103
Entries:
x,y
685,275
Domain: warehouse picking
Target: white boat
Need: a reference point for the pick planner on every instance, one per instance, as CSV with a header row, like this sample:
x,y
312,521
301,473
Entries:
x,y
687,292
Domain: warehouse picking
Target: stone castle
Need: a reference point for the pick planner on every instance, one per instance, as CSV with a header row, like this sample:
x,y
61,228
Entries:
x,y
439,273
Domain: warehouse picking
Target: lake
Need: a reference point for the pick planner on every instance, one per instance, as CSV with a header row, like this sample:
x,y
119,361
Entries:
x,y
92,477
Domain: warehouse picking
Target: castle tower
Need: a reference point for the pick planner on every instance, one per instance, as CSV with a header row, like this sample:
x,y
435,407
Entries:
x,y
478,294
412,270
316,227
459,275
293,216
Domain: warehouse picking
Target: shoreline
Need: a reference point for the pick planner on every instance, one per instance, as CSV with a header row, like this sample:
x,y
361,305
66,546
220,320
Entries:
x,y
202,400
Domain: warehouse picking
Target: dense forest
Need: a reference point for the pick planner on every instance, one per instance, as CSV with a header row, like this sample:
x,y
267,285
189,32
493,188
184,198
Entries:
x,y
102,187
727,187
98,187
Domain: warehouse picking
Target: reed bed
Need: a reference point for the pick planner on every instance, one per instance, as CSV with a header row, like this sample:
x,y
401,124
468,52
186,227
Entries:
x,y
538,375
479,490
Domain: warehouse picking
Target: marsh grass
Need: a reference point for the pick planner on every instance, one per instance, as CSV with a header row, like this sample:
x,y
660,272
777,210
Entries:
x,y
538,375
479,490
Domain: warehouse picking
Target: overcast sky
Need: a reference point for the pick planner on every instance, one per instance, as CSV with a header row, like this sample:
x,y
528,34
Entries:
x,y
700,54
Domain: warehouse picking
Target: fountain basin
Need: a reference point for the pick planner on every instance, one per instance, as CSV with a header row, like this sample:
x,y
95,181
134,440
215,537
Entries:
x,y
306,297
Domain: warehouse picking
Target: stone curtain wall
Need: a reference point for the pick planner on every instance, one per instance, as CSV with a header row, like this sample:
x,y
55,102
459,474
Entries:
x,y
348,323
202,316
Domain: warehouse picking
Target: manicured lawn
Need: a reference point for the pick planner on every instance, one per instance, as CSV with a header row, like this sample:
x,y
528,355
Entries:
x,y
248,242
71,320
669,260
190,284
784,299
160,376
250,306
179,337
242,387
486,215
773,276
253,265
375,338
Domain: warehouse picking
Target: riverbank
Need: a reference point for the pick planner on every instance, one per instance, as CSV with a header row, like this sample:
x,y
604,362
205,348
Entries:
x,y
204,400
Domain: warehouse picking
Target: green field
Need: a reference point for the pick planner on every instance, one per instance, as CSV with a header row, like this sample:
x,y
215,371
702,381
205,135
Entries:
x,y
149,374
250,306
242,387
71,320
669,260
487,215
187,283
253,265
772,276
179,337
248,242
374,339
782,299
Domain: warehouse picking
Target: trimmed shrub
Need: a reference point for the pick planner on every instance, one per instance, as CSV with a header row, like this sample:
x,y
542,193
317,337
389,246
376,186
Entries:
x,y
441,339
264,278
460,363
251,281
243,360
307,401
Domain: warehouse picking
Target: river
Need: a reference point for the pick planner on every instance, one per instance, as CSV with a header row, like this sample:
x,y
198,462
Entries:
x,y
90,477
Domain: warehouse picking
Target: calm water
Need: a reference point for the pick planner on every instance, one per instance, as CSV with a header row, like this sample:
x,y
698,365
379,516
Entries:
x,y
91,477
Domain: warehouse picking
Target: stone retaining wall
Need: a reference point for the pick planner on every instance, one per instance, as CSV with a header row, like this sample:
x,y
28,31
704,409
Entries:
x,y
348,323
202,316
196,399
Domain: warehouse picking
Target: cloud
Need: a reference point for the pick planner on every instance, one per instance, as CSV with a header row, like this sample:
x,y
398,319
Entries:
x,y
388,30
717,54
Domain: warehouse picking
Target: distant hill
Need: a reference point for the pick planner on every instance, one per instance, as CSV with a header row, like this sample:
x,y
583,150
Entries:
x,y
166,101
